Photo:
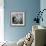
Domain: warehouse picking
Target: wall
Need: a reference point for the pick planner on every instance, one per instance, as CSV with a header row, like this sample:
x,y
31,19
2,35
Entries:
x,y
30,7
1,21
43,6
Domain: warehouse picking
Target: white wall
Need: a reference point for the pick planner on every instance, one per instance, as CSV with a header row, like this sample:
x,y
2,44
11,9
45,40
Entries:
x,y
1,21
43,6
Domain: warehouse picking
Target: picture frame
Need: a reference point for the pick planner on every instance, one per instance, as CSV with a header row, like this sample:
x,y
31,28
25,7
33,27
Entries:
x,y
17,18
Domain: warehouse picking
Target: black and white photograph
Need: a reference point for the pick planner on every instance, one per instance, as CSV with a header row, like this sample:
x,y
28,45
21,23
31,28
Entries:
x,y
17,18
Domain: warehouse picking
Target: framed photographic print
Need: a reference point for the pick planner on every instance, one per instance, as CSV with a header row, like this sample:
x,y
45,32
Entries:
x,y
17,18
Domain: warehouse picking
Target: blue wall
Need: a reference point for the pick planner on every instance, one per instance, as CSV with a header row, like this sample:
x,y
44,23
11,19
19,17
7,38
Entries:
x,y
30,8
